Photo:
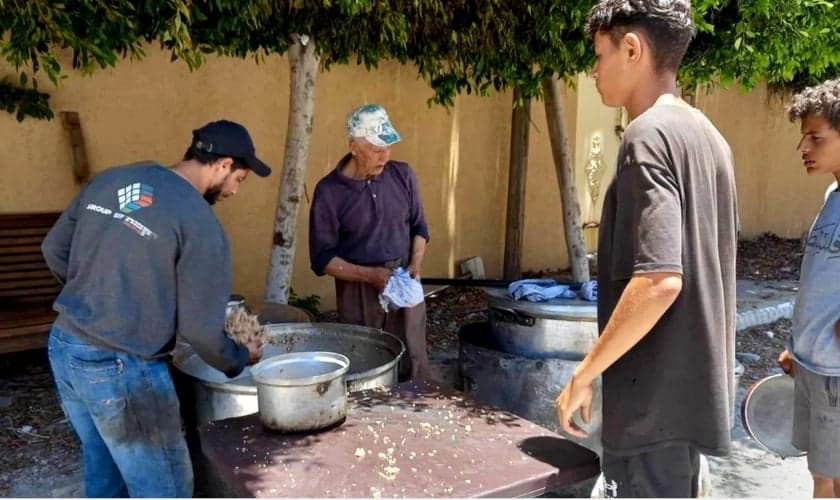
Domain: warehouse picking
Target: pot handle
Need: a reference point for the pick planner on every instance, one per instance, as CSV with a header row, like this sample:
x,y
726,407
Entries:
x,y
504,314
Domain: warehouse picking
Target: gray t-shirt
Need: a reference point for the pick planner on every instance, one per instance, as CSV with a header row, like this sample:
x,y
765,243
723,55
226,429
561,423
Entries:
x,y
141,255
814,343
672,208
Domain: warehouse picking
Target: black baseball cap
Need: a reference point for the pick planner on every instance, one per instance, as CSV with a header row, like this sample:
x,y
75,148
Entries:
x,y
227,138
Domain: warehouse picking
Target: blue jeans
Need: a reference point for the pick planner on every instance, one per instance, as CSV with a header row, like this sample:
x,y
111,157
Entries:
x,y
125,412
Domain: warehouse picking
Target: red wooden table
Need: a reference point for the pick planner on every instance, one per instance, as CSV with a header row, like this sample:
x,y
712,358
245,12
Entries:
x,y
406,441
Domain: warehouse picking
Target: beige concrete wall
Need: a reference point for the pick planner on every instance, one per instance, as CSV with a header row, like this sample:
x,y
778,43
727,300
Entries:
x,y
588,121
774,192
596,148
147,109
544,244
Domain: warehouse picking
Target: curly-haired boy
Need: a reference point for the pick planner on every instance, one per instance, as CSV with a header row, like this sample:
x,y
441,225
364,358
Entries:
x,y
813,353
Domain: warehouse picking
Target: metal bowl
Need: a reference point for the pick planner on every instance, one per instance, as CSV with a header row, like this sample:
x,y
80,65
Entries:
x,y
767,413
374,357
374,354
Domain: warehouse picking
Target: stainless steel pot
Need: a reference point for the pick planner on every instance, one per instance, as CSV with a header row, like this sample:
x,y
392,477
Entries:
x,y
559,328
301,391
209,395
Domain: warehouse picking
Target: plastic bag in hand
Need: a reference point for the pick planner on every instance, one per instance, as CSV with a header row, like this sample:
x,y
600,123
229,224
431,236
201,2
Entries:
x,y
401,291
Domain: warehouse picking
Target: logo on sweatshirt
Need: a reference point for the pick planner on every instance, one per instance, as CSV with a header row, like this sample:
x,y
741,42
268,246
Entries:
x,y
134,197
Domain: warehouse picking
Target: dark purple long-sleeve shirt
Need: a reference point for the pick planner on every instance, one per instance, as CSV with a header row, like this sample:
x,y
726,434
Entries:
x,y
366,222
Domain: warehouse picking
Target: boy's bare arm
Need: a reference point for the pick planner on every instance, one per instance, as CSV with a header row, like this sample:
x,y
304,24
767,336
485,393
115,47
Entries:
x,y
645,299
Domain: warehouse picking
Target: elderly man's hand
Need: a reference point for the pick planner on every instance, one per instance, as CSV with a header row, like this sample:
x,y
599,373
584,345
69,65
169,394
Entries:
x,y
414,271
378,277
573,397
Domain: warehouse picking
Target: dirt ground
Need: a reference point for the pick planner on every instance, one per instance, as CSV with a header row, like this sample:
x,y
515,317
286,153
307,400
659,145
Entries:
x,y
42,455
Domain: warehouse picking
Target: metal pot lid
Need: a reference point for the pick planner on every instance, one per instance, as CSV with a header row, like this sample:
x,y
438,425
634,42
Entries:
x,y
767,413
570,309
300,369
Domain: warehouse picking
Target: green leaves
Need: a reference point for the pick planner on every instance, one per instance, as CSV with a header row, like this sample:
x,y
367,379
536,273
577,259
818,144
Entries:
x,y
788,43
23,102
458,46
96,33
469,46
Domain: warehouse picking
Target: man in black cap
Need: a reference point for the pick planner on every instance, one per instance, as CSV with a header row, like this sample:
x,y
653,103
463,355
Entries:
x,y
141,257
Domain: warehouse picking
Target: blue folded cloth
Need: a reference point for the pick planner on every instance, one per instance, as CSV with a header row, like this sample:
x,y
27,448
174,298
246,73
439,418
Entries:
x,y
589,291
538,290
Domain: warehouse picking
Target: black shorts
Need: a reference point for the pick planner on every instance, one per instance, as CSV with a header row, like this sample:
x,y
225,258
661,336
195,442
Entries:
x,y
671,472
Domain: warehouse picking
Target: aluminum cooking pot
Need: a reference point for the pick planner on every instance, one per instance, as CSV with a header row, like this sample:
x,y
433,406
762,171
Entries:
x,y
374,357
301,391
558,328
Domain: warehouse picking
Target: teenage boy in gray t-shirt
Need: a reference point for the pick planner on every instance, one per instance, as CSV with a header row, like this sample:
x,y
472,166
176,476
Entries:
x,y
813,353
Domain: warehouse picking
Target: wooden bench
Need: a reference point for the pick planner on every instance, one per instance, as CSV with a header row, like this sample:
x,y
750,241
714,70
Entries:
x,y
27,287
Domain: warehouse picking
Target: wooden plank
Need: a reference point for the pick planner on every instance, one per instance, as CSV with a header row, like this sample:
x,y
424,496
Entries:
x,y
20,249
36,300
27,287
81,170
44,219
37,291
10,232
24,342
23,266
21,258
10,320
26,329
26,284
23,274
18,239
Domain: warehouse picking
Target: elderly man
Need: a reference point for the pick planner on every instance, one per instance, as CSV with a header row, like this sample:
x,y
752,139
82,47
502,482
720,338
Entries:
x,y
366,220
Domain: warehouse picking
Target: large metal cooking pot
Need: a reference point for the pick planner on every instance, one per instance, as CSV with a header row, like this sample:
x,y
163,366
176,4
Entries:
x,y
524,386
558,328
374,358
301,391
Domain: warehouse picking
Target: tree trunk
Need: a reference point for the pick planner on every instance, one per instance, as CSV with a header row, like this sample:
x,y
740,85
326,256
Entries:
x,y
304,67
518,173
559,138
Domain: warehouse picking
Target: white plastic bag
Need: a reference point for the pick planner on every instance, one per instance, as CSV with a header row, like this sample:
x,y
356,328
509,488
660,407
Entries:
x,y
401,291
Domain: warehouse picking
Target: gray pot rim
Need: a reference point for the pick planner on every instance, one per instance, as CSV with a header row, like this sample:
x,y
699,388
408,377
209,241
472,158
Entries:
x,y
563,309
234,385
379,370
339,359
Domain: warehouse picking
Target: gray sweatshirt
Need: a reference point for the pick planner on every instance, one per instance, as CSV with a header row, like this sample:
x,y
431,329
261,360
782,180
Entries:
x,y
142,256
